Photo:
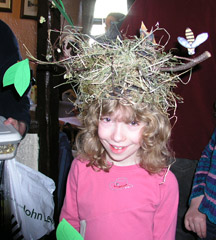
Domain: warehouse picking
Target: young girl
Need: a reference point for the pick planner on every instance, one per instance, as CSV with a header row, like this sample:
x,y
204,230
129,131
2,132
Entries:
x,y
119,187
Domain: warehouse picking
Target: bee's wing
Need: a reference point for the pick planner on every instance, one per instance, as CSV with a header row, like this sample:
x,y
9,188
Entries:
x,y
202,37
183,42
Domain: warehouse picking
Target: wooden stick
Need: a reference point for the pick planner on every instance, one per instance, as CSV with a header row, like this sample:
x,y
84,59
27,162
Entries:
x,y
192,63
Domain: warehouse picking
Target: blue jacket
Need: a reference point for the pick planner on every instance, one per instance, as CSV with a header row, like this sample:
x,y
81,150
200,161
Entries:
x,y
205,180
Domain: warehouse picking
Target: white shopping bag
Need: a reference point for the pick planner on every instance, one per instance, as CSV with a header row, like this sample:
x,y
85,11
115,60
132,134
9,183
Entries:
x,y
30,197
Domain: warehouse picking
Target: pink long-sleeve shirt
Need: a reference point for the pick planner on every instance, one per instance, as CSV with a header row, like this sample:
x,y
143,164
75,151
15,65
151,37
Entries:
x,y
125,203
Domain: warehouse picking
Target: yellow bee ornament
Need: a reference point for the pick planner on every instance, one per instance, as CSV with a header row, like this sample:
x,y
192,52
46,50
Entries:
x,y
191,42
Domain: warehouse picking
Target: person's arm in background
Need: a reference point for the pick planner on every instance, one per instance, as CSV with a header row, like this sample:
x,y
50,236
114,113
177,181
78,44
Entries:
x,y
20,126
195,220
13,107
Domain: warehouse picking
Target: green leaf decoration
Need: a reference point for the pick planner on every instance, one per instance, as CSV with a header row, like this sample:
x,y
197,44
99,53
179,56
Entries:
x,y
65,231
61,8
19,75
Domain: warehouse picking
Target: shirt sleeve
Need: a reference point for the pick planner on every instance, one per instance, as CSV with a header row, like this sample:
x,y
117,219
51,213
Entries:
x,y
165,218
69,209
14,106
203,167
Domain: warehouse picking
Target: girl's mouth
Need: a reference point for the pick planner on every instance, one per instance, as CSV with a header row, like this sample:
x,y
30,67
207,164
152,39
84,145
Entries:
x,y
117,149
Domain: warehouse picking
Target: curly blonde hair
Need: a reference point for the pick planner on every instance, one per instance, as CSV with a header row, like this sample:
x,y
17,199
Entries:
x,y
154,152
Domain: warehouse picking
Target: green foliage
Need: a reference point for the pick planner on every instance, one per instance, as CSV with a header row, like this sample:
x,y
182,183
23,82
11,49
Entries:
x,y
66,232
61,8
19,75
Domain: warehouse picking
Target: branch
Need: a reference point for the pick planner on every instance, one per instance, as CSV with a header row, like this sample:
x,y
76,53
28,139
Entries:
x,y
192,63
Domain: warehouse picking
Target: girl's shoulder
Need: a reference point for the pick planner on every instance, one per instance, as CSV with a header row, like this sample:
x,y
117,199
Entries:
x,y
79,162
80,165
167,177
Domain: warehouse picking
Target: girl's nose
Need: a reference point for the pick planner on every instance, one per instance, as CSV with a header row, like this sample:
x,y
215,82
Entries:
x,y
118,134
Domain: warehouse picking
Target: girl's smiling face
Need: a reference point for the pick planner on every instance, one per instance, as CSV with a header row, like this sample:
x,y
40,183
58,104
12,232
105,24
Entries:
x,y
121,139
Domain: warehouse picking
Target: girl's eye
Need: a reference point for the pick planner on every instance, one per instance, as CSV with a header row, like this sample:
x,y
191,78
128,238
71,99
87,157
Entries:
x,y
134,123
106,119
